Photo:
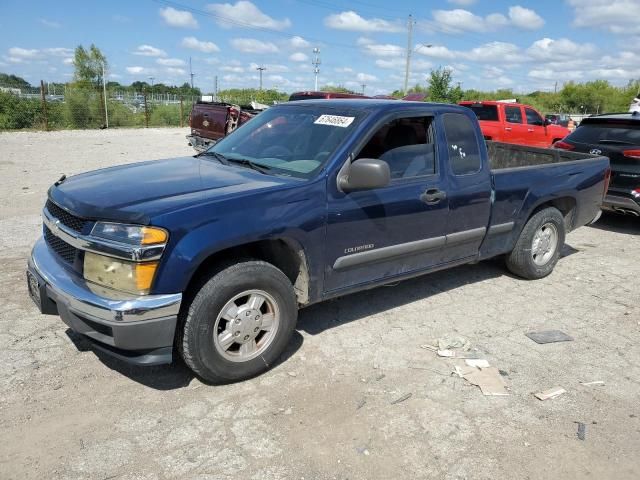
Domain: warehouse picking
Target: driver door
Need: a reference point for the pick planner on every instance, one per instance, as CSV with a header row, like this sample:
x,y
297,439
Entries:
x,y
390,231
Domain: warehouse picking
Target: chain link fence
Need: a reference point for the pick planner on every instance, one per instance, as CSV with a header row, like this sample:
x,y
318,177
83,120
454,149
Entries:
x,y
76,108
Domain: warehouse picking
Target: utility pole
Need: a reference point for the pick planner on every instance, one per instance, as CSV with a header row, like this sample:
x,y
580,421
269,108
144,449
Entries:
x,y
363,85
261,69
410,24
104,91
152,79
316,65
191,74
215,87
555,88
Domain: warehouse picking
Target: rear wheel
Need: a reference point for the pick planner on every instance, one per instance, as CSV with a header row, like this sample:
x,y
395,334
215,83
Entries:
x,y
239,322
538,248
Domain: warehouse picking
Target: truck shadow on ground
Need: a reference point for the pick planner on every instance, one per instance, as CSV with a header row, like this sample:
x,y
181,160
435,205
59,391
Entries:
x,y
320,317
323,316
615,222
162,377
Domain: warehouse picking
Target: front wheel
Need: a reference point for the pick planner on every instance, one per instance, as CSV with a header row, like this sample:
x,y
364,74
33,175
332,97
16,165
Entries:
x,y
239,322
538,248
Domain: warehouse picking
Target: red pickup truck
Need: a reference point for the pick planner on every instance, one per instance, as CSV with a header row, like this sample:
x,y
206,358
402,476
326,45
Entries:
x,y
515,123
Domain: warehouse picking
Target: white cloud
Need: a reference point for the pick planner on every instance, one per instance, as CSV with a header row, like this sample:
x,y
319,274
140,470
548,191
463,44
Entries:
x,y
200,45
68,61
137,70
525,18
251,45
437,51
616,16
24,53
343,69
59,52
298,57
351,21
176,71
149,51
460,20
547,49
384,50
365,77
49,23
170,62
230,68
298,42
178,18
246,14
417,64
496,52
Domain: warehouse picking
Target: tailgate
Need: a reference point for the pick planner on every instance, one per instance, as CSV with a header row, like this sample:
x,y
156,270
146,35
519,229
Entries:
x,y
209,121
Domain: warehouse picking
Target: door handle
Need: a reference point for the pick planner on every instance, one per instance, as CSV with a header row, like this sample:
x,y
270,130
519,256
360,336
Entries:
x,y
508,129
530,130
433,196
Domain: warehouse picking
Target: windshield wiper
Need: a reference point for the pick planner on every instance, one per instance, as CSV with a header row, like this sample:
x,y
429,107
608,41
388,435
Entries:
x,y
616,142
218,156
248,163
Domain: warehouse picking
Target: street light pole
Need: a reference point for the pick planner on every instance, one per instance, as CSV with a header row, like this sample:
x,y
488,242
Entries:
x,y
104,91
410,23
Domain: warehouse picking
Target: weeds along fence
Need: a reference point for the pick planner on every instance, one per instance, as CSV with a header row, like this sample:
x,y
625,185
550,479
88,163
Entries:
x,y
85,109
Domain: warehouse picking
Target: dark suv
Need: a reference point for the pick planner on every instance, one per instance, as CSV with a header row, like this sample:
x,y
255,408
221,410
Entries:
x,y
616,136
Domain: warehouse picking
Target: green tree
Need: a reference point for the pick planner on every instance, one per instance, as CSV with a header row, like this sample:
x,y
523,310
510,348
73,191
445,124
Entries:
x,y
13,81
336,89
440,85
89,65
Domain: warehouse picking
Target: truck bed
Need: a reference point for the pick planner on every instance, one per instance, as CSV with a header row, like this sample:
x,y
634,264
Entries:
x,y
507,155
522,176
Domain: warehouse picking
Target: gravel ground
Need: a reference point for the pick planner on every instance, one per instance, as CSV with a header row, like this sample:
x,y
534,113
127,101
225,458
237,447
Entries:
x,y
326,411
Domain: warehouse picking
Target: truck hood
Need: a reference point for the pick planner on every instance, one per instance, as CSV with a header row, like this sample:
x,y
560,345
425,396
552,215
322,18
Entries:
x,y
137,192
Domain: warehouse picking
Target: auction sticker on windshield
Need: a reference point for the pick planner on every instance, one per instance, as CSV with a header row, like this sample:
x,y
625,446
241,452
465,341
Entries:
x,y
334,120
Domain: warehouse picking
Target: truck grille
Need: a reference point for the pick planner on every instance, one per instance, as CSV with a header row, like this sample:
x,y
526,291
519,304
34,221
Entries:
x,y
65,251
67,219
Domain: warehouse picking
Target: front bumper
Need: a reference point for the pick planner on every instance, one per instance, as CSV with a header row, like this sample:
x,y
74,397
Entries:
x,y
621,204
136,329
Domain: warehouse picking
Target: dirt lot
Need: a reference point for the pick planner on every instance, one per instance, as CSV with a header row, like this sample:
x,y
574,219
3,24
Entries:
x,y
326,411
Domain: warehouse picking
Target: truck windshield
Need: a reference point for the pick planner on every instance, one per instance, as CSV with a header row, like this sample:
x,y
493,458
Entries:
x,y
289,140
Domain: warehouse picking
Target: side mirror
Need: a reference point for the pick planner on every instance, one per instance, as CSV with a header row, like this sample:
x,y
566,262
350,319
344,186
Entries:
x,y
547,122
365,174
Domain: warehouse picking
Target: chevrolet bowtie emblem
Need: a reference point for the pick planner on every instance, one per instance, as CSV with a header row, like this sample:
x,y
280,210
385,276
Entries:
x,y
205,123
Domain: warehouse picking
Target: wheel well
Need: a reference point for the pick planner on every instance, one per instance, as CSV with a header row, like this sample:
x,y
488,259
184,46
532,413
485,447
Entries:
x,y
566,205
280,253
555,140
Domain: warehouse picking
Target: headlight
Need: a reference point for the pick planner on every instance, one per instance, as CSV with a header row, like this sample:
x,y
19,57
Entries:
x,y
118,274
131,234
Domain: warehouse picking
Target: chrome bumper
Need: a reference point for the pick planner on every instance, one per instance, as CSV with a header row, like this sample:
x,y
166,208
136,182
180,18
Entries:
x,y
138,329
200,144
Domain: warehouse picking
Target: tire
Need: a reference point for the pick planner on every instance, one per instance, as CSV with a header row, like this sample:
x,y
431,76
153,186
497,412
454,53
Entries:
x,y
533,257
229,334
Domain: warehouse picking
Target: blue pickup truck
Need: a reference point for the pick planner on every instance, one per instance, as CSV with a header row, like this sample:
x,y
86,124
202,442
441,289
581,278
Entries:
x,y
210,257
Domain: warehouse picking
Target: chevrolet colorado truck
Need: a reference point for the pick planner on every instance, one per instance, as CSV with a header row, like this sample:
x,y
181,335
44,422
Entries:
x,y
516,123
210,257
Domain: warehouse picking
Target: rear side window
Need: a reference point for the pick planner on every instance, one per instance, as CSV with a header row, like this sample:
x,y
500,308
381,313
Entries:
x,y
462,144
533,117
513,114
485,112
610,133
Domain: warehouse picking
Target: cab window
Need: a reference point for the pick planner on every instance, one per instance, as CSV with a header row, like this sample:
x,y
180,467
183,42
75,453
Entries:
x,y
533,117
462,144
513,114
406,144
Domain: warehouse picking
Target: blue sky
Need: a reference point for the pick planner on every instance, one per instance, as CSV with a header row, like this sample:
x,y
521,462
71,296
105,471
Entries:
x,y
488,44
